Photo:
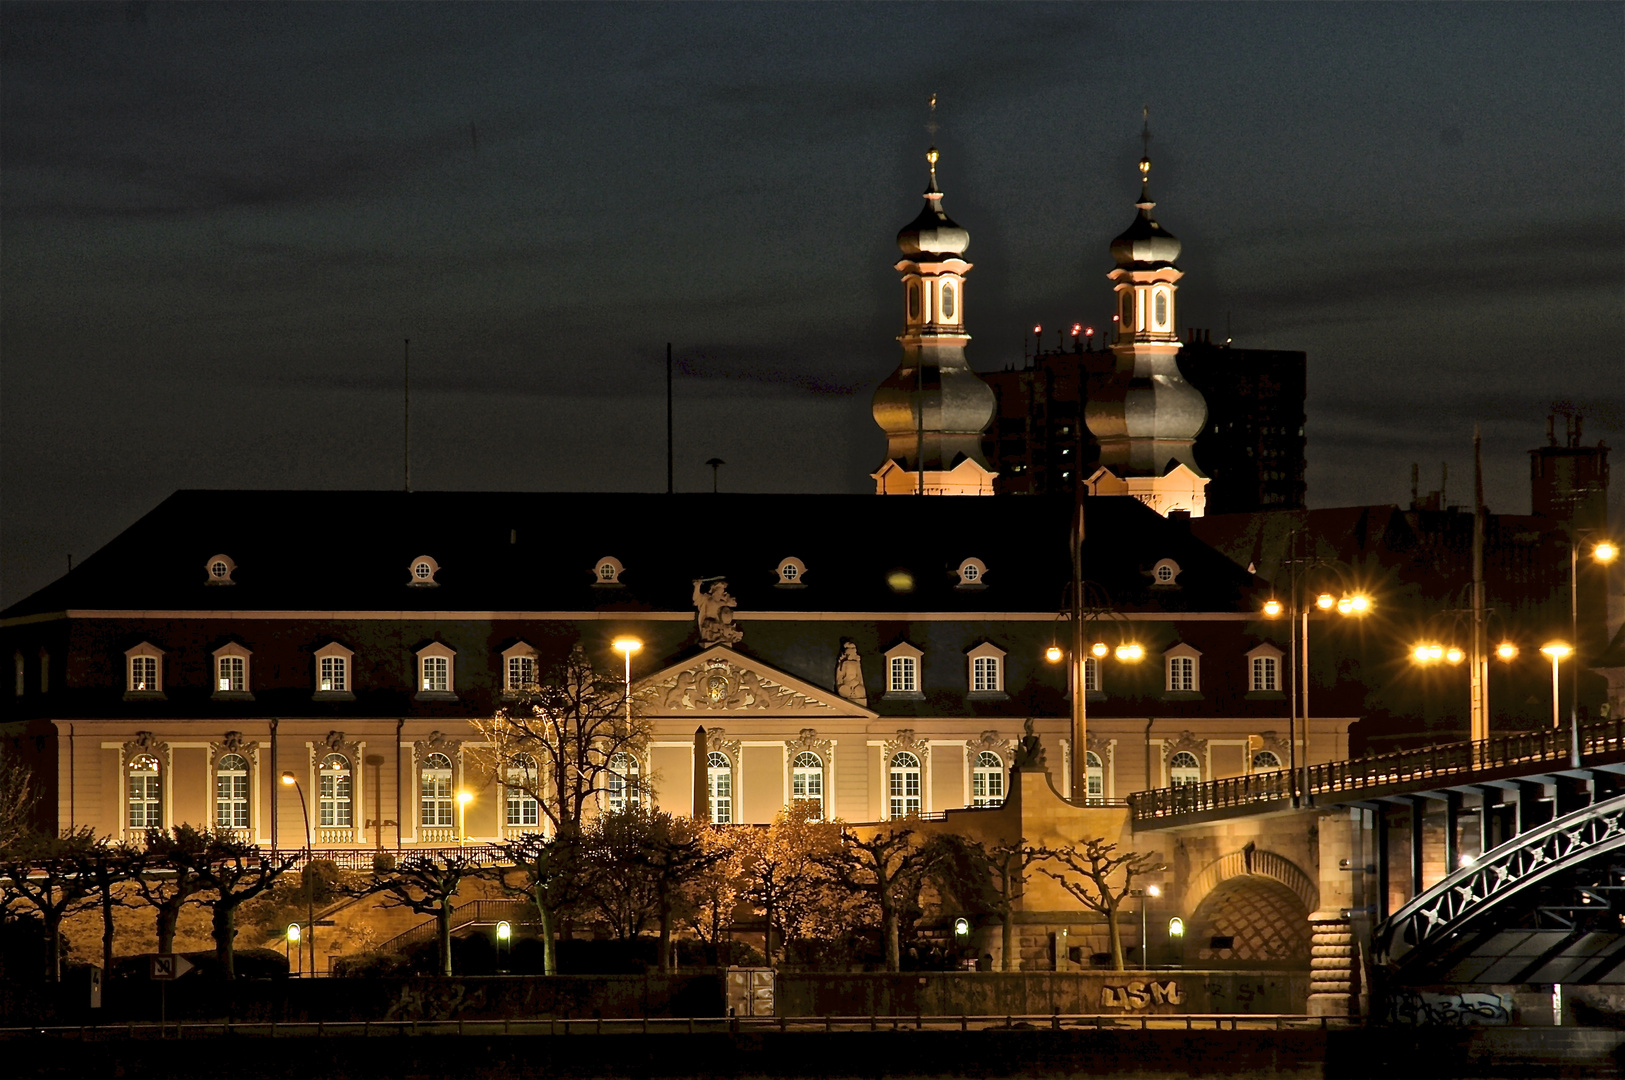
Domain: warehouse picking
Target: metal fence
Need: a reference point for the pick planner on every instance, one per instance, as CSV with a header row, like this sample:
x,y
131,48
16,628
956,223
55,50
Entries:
x,y
1401,767
473,913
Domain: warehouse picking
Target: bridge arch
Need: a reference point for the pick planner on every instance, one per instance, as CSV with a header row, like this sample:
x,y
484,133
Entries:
x,y
1252,860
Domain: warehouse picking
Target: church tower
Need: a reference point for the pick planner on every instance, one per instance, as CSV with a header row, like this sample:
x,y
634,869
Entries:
x,y
933,408
1145,415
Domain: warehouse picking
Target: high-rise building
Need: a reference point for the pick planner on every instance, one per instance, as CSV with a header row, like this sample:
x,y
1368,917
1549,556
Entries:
x,y
1569,483
1253,444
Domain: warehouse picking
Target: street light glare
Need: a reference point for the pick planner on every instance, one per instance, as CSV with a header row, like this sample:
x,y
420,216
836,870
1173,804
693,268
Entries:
x,y
465,797
1604,552
1272,608
1154,890
1360,602
1053,654
504,931
626,645
287,778
293,931
1454,655
1325,601
1506,651
1557,650
1129,653
1099,650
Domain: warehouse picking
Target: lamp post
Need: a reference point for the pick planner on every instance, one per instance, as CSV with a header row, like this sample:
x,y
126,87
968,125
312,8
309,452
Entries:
x,y
463,799
290,780
504,933
1348,604
290,940
1145,896
626,646
1556,651
1078,683
1603,551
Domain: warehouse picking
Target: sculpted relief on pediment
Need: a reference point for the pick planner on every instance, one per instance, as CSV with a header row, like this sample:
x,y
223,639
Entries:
x,y
718,684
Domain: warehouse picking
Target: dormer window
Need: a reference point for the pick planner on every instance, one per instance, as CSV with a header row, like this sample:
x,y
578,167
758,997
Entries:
x,y
607,573
903,671
1264,671
518,668
219,569
1166,572
422,572
231,671
145,667
335,666
437,672
1183,667
972,574
791,573
986,671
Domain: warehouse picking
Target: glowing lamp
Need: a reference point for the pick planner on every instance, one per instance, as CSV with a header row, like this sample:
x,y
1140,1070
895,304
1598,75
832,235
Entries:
x,y
626,645
1088,331
1053,654
1325,601
1129,653
1435,652
1506,651
961,927
504,931
1176,927
1345,605
1077,328
1420,654
1153,890
1454,655
465,797
1604,552
1038,329
1557,650
1099,650
1272,608
287,779
1360,603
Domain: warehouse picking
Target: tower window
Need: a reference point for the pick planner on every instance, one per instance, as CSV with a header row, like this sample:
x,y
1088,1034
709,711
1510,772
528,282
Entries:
x,y
1161,310
913,301
948,306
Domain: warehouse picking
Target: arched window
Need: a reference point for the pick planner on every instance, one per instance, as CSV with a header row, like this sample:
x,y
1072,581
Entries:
x,y
1265,761
146,796
623,783
435,791
1094,772
807,782
333,792
913,300
523,809
1183,768
987,780
231,792
719,778
905,784
1161,307
948,306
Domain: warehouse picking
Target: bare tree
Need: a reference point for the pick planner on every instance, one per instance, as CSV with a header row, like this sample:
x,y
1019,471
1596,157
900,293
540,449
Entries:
x,y
235,873
18,798
43,872
427,884
109,866
164,874
1096,866
551,877
888,869
672,855
986,879
564,740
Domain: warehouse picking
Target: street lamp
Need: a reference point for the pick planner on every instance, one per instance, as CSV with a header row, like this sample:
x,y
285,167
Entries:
x,y
1145,943
1603,551
1077,680
626,646
1557,651
1348,604
289,941
504,933
1176,936
290,780
463,799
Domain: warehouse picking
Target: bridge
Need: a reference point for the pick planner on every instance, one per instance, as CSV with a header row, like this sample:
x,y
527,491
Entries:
x,y
1488,862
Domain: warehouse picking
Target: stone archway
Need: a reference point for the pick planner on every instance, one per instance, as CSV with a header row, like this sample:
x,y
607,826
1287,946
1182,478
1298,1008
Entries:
x,y
1253,861
1263,922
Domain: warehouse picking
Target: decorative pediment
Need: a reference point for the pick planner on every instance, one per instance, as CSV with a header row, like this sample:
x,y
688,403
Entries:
x,y
721,680
809,742
1186,741
232,742
905,740
436,743
334,743
990,742
146,743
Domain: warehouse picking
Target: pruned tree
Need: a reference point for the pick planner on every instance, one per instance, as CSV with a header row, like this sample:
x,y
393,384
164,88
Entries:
x,y
888,869
711,897
549,869
43,872
986,879
1099,879
428,884
235,872
565,739
164,874
108,865
779,872
613,884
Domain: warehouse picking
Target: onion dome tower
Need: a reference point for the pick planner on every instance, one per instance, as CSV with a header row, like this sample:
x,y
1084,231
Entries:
x,y
1145,415
933,408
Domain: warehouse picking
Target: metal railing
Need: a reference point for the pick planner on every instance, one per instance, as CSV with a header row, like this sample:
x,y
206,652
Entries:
x,y
1440,761
473,913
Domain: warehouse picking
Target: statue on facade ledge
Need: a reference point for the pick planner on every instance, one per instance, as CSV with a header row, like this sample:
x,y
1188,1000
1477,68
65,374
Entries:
x,y
849,674
1029,752
714,609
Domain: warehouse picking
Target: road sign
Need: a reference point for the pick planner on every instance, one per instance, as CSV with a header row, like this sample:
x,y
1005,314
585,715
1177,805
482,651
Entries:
x,y
167,966
324,922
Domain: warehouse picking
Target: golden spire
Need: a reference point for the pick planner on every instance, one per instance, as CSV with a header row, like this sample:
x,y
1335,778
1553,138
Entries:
x,y
1145,158
931,154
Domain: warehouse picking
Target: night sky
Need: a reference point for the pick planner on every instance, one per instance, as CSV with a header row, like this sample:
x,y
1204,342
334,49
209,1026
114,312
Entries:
x,y
219,222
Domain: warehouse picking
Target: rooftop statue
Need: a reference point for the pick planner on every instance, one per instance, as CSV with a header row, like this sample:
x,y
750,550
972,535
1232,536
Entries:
x,y
714,608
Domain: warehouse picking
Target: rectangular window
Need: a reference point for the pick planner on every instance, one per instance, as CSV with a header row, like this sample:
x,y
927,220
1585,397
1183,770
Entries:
x,y
335,679
521,673
437,674
231,800
334,803
1182,673
233,674
1091,674
523,810
905,791
985,674
904,675
145,801
1265,675
143,673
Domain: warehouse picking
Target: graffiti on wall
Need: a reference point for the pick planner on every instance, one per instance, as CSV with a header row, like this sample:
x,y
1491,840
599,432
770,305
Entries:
x,y
1138,995
1424,1008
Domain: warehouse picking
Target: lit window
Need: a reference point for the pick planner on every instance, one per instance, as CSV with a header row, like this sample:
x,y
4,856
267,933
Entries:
x,y
985,674
1094,778
521,673
434,791
436,670
146,808
231,792
333,792
807,782
231,674
1165,572
905,671
904,784
143,674
524,811
1091,674
1183,768
335,676
987,780
1181,674
1266,674
607,572
719,779
1266,761
623,783
791,572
